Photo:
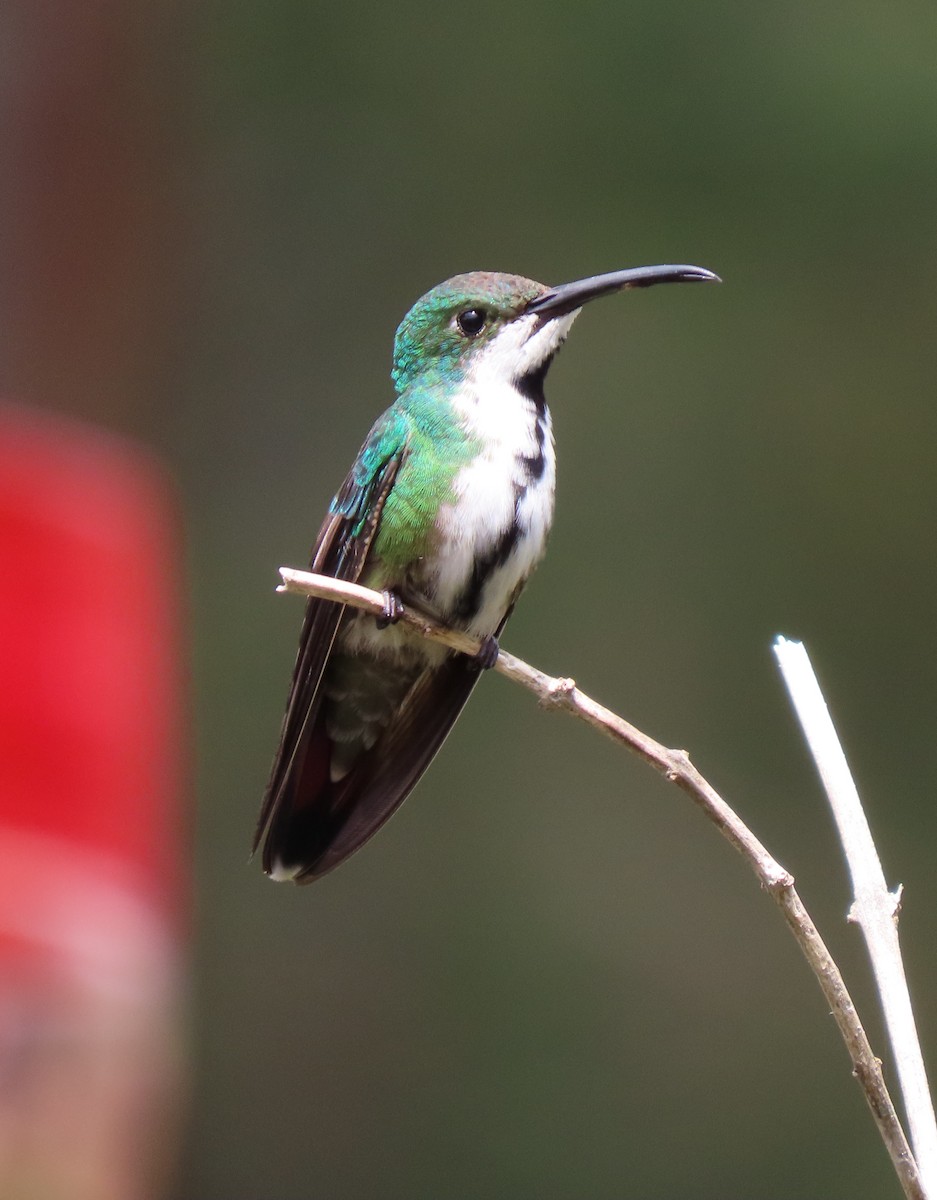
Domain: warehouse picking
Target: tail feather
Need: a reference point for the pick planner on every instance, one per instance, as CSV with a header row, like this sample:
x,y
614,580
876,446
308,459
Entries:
x,y
317,823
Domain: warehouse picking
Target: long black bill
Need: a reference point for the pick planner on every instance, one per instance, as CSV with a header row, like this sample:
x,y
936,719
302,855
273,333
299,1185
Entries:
x,y
568,296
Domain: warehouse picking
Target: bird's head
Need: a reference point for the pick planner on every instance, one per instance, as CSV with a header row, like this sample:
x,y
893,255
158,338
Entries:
x,y
503,324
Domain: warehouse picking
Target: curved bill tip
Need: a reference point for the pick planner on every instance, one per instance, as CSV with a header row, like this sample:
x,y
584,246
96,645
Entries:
x,y
568,296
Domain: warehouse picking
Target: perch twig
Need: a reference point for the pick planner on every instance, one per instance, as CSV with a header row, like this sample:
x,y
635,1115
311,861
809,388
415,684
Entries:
x,y
676,766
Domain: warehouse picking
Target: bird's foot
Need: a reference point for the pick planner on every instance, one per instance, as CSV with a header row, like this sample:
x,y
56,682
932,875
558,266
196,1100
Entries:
x,y
487,654
392,611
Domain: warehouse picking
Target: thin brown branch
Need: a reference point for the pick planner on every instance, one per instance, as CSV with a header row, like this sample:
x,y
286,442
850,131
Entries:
x,y
675,766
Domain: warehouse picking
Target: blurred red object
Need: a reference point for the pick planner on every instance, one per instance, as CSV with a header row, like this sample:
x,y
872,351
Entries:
x,y
91,868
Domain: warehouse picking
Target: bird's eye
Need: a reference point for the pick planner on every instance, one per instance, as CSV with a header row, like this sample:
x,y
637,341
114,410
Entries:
x,y
471,322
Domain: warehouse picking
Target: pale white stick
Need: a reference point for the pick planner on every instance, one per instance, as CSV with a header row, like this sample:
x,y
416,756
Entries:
x,y
874,909
675,765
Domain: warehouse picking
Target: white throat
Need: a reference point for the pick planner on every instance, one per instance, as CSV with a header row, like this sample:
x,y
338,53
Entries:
x,y
520,349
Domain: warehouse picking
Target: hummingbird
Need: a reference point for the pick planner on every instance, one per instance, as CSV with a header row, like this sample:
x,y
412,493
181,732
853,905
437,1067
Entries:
x,y
447,509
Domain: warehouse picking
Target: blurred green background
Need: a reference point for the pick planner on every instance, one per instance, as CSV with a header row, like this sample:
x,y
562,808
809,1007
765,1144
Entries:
x,y
547,977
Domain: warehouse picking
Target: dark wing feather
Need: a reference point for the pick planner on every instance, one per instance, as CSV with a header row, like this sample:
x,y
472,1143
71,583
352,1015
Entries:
x,y
340,550
372,792
386,775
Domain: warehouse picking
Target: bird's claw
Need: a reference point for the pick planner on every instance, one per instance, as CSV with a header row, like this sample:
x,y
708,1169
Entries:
x,y
392,611
487,654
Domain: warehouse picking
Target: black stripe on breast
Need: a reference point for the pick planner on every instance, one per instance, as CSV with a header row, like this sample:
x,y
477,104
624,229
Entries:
x,y
534,464
531,388
469,601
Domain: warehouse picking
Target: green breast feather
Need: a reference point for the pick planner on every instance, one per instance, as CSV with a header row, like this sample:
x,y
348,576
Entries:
x,y
435,448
